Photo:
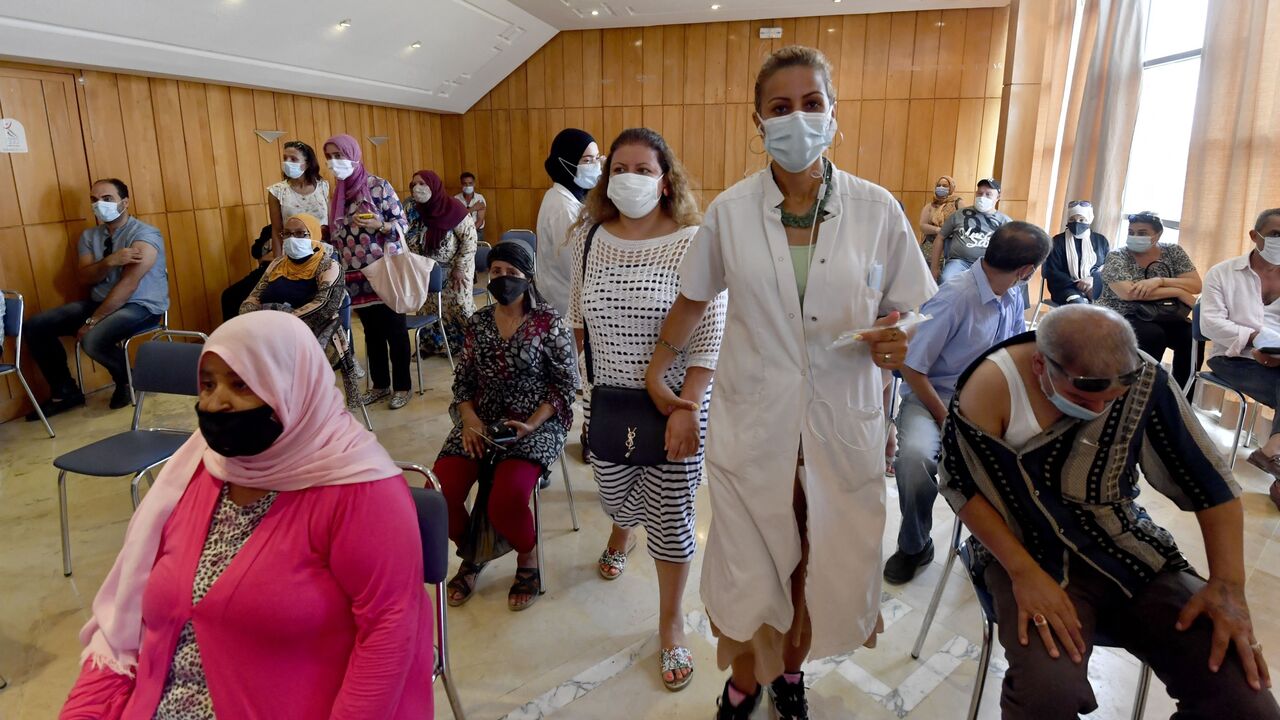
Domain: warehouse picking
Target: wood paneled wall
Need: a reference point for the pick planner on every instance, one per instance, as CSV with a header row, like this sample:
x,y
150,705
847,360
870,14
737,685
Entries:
x,y
194,166
918,96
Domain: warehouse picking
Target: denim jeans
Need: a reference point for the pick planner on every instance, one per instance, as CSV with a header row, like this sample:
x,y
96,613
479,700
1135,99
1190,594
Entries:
x,y
916,468
1257,381
102,342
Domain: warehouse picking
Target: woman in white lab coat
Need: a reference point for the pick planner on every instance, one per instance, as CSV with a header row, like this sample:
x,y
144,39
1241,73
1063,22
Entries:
x,y
795,440
574,167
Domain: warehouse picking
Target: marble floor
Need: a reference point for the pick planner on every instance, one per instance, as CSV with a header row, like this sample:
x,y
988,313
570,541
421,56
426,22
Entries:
x,y
588,648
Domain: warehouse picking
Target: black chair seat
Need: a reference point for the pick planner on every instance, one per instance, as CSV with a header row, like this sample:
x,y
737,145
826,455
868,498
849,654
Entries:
x,y
433,527
7,368
123,454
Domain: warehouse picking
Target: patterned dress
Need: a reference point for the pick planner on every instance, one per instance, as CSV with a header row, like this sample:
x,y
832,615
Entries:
x,y
357,246
458,254
291,203
510,379
629,287
186,692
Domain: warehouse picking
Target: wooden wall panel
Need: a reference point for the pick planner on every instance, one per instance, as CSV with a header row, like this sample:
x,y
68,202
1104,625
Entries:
x,y
63,112
147,186
694,84
35,172
174,171
197,138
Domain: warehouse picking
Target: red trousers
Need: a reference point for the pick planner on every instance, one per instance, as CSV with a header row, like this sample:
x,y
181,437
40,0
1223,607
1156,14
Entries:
x,y
513,483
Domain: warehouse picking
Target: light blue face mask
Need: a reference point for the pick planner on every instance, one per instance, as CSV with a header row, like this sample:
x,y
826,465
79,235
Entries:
x,y
796,140
1068,408
1139,243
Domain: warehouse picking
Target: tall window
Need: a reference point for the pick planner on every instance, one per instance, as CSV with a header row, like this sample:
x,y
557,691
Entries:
x,y
1162,137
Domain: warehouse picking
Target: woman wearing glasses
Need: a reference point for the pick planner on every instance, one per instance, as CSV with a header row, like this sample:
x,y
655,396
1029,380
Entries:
x,y
574,167
305,282
1154,286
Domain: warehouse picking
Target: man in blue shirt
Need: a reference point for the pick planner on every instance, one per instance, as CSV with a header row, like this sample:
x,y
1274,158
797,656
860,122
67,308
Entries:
x,y
121,259
983,306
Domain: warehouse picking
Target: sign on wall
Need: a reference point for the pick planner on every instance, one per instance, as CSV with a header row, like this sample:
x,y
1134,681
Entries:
x,y
13,137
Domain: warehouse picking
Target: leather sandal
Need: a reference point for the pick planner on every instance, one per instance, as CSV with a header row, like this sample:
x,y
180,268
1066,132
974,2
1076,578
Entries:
x,y
677,658
463,583
528,582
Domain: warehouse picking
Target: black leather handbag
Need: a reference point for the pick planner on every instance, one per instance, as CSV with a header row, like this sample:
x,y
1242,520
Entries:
x,y
626,427
1163,310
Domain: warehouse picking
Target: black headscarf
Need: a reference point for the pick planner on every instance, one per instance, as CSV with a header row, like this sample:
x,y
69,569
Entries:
x,y
568,146
517,254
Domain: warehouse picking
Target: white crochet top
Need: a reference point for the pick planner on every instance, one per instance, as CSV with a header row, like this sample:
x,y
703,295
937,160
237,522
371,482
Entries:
x,y
630,285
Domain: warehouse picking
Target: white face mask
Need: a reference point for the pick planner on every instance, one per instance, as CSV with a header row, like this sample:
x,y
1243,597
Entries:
x,y
106,211
984,204
1139,243
341,167
421,193
467,189
1270,251
292,170
298,248
586,176
634,195
796,140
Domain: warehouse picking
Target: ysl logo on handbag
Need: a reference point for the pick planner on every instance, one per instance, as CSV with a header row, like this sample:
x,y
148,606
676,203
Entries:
x,y
631,442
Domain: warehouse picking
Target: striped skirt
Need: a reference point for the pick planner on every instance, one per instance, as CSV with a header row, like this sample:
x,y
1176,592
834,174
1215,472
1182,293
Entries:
x,y
661,497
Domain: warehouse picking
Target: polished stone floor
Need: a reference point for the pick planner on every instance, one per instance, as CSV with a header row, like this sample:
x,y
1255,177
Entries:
x,y
587,649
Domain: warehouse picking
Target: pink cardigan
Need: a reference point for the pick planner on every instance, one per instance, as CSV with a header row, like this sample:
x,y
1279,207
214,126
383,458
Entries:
x,y
322,614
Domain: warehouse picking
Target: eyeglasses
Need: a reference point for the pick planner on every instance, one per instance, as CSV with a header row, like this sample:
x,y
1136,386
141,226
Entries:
x,y
1095,384
591,160
108,246
296,233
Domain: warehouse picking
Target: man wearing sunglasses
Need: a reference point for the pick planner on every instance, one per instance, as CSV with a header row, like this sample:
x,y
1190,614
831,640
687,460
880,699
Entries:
x,y
1047,438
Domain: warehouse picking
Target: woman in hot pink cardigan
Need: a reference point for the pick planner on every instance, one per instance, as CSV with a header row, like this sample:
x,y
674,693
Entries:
x,y
275,569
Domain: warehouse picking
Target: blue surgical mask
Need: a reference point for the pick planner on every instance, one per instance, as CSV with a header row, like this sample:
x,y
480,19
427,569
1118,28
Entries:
x,y
941,191
1139,243
106,211
1068,408
796,141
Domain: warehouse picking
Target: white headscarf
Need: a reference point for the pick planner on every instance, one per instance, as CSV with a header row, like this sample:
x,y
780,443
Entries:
x,y
1080,264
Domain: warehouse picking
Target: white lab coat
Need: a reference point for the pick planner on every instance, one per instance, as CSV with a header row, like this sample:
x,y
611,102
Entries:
x,y
779,387
555,255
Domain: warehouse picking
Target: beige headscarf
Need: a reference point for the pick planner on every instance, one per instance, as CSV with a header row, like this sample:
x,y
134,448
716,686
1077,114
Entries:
x,y
944,206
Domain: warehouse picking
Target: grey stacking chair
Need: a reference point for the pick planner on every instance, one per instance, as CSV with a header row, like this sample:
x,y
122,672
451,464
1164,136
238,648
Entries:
x,y
433,527
158,330
163,367
482,265
1212,378
13,309
418,323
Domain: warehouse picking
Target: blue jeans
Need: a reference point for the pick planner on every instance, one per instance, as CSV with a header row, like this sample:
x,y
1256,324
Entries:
x,y
1257,381
952,268
102,342
916,468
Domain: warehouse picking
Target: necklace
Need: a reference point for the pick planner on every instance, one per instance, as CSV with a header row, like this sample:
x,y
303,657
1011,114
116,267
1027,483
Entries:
x,y
806,220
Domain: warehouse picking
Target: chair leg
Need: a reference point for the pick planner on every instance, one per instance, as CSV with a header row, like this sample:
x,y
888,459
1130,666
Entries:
x,y
4,683
79,371
62,516
1235,443
151,479
31,396
984,665
1140,697
133,490
1252,422
364,411
937,591
537,536
568,490
442,645
417,358
445,336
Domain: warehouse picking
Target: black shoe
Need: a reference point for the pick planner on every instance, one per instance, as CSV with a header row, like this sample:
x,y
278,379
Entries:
x,y
120,397
729,711
53,407
901,567
788,698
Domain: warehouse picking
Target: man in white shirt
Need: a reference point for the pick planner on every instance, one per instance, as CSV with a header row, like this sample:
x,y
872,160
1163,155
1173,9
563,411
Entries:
x,y
1239,313
473,201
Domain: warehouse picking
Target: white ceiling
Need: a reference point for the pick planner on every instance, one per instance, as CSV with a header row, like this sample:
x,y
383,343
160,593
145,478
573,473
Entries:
x,y
468,46
576,14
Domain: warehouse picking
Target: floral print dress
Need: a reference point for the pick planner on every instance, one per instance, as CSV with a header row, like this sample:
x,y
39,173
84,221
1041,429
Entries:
x,y
186,691
510,379
458,254
359,247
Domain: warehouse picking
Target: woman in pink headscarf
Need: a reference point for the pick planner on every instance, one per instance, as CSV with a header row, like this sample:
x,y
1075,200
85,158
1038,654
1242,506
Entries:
x,y
275,569
364,215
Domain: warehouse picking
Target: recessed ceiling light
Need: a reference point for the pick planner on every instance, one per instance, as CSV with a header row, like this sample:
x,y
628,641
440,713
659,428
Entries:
x,y
344,23
831,29
715,7
417,44
595,12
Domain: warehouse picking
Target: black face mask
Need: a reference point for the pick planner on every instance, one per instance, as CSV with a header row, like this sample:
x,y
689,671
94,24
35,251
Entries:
x,y
240,432
1077,228
508,288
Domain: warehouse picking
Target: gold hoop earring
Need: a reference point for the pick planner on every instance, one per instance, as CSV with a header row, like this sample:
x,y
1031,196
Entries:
x,y
839,140
751,149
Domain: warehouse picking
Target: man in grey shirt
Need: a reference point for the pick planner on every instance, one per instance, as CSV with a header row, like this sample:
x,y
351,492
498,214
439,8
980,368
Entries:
x,y
966,232
122,261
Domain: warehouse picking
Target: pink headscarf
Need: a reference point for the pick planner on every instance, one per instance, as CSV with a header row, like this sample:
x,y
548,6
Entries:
x,y
322,444
354,187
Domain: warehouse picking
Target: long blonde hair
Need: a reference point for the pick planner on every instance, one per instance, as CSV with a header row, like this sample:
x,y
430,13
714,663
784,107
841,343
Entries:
x,y
680,204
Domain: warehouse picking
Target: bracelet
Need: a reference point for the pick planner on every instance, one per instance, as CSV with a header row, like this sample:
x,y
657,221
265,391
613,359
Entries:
x,y
675,350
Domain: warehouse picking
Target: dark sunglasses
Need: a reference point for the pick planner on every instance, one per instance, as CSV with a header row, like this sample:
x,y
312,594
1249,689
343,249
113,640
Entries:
x,y
1095,384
